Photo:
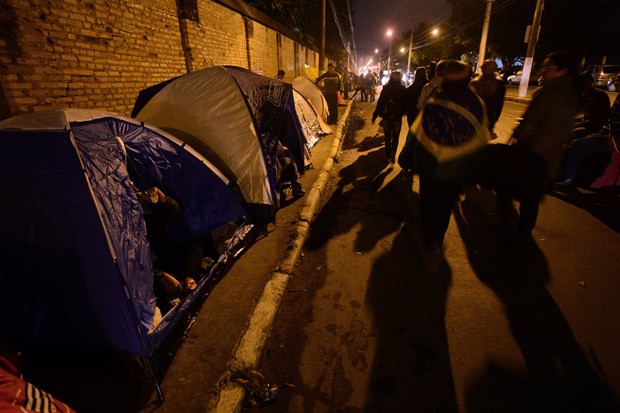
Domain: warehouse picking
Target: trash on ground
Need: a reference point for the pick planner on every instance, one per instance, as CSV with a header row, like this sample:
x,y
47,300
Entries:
x,y
581,283
259,392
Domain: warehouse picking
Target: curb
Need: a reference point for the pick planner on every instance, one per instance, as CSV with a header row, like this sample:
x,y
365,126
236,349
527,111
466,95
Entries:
x,y
525,101
250,347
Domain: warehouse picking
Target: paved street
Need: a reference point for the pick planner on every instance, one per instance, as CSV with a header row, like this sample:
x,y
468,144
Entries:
x,y
364,328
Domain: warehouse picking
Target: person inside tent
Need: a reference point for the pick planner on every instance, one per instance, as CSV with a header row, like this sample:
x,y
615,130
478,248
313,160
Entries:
x,y
175,266
287,173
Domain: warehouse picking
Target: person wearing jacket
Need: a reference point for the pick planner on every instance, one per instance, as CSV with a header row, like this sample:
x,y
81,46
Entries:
x,y
594,111
433,86
413,94
491,90
331,86
391,107
542,134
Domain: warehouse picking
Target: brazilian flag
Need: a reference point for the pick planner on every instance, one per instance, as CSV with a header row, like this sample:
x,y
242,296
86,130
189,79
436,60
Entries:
x,y
446,141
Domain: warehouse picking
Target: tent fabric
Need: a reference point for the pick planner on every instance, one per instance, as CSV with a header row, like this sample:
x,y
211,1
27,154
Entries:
x,y
312,92
74,239
308,119
310,72
207,110
273,107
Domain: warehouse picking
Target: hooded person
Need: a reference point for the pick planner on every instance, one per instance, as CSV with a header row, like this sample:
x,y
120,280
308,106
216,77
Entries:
x,y
391,107
413,94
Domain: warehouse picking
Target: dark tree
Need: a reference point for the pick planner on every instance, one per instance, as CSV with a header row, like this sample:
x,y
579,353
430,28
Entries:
x,y
304,17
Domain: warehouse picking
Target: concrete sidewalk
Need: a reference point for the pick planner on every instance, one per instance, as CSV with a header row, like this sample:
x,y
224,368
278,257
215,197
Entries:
x,y
232,327
248,353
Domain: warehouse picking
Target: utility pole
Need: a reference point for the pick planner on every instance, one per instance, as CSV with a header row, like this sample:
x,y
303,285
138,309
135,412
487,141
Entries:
x,y
531,47
322,49
485,34
389,35
410,46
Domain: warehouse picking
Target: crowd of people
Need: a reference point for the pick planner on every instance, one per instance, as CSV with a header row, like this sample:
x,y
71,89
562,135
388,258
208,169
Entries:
x,y
452,116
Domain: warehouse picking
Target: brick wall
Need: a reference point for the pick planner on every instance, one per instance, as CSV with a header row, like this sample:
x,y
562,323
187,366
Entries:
x,y
99,54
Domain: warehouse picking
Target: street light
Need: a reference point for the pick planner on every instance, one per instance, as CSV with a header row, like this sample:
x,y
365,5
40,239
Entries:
x,y
434,32
389,35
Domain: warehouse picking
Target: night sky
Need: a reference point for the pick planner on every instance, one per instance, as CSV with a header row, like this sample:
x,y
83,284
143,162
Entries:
x,y
374,17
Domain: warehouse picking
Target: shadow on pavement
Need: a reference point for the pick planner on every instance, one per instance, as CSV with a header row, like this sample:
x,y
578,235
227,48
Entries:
x,y
411,368
560,376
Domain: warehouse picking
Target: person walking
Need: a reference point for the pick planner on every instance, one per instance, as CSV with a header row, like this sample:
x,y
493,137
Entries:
x,y
371,83
331,86
391,107
413,94
444,147
491,90
540,138
433,86
360,87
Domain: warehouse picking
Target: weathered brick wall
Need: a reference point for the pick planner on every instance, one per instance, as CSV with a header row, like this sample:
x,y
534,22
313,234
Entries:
x,y
262,43
69,53
99,54
219,37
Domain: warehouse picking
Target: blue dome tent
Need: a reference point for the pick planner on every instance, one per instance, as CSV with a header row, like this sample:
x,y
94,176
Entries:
x,y
77,265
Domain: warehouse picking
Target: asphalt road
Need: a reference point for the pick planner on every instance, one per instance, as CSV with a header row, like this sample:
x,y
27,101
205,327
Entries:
x,y
365,327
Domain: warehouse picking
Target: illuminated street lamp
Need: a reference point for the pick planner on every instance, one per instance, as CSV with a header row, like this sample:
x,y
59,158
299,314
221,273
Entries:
x,y
389,35
434,32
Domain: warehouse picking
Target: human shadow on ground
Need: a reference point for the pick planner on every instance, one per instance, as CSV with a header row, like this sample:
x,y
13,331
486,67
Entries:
x,y
357,189
560,376
411,369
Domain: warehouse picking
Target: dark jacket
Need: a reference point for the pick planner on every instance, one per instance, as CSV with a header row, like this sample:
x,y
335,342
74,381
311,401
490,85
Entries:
x,y
392,103
413,95
492,91
595,111
331,82
548,120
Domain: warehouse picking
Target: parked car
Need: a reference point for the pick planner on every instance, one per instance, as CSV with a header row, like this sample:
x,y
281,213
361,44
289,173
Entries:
x,y
516,78
602,74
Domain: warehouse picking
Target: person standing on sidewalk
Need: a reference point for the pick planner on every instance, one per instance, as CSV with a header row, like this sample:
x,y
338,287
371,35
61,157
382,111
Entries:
x,y
331,86
391,107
